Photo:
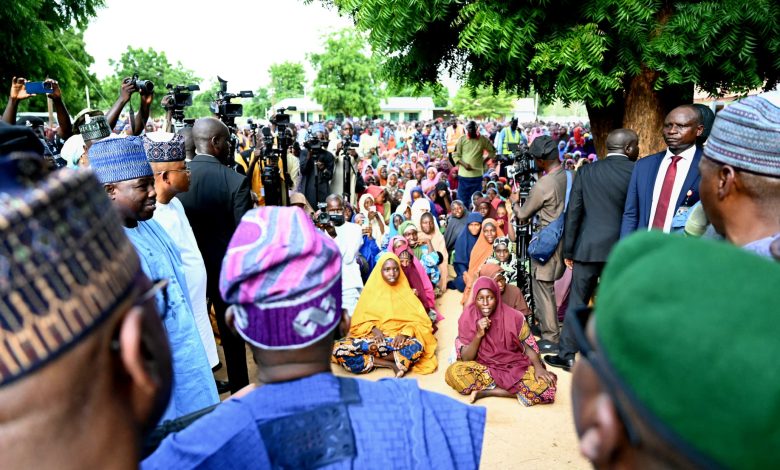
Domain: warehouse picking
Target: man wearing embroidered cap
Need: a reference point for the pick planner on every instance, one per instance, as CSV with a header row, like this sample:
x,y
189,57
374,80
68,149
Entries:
x,y
121,165
667,378
84,363
282,278
740,171
165,152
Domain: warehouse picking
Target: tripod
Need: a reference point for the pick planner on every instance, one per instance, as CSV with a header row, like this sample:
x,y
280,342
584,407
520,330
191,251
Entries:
x,y
524,234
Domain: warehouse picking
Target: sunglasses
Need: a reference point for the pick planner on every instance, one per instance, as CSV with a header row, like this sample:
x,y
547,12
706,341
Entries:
x,y
612,383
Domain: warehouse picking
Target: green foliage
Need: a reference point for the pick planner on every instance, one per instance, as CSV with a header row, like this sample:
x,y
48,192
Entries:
x,y
437,91
150,65
347,79
202,100
287,80
584,50
481,103
38,41
259,104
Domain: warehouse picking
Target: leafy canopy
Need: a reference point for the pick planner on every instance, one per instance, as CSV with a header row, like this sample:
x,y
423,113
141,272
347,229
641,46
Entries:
x,y
287,80
586,50
347,78
45,40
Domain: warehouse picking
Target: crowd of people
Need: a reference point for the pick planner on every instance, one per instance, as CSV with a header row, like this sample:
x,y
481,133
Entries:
x,y
111,270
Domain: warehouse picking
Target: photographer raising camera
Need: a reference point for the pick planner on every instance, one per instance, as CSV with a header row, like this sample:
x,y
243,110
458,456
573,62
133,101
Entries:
x,y
346,180
316,165
546,200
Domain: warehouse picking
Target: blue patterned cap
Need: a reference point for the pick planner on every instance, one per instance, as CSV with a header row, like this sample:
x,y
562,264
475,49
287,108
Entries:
x,y
121,159
66,265
163,147
746,135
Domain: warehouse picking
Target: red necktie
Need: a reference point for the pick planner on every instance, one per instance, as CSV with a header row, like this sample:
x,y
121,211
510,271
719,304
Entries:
x,y
659,220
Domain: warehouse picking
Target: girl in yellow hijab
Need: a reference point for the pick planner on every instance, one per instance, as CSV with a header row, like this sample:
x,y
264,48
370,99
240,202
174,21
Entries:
x,y
389,328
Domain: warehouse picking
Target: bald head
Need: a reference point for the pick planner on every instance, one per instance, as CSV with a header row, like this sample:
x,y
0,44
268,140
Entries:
x,y
623,141
211,137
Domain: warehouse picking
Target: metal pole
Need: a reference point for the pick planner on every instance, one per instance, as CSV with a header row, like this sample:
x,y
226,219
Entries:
x,y
86,90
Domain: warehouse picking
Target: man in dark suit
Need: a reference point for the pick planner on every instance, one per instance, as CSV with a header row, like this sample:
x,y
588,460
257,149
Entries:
x,y
592,227
664,186
217,199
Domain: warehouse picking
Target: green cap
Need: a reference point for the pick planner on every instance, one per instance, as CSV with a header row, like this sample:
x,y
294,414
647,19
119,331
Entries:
x,y
691,327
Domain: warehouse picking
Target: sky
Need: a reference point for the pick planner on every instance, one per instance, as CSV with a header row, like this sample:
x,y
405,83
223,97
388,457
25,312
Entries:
x,y
235,39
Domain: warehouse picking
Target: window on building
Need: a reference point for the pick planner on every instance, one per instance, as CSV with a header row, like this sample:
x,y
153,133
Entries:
x,y
394,117
412,116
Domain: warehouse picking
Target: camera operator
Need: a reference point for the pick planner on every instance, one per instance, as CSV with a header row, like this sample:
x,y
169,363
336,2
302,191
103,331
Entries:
x,y
130,86
316,165
349,238
545,200
346,147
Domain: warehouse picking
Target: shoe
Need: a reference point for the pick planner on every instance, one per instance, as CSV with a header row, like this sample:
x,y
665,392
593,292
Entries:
x,y
451,285
547,347
222,386
558,361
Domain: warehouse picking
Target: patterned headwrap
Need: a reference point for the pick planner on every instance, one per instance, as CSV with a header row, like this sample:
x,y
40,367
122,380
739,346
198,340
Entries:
x,y
65,266
283,278
94,128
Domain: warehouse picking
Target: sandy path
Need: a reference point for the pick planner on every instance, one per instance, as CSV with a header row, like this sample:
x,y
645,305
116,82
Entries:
x,y
539,437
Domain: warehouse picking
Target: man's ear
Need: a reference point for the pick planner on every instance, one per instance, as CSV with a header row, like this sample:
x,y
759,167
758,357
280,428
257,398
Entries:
x,y
110,190
605,437
726,181
146,360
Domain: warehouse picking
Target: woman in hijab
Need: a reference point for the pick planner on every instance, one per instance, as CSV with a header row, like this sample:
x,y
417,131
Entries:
x,y
368,172
429,230
392,228
380,203
479,254
485,208
456,222
381,172
390,328
374,220
442,199
502,256
463,247
497,354
392,182
511,295
415,273
431,178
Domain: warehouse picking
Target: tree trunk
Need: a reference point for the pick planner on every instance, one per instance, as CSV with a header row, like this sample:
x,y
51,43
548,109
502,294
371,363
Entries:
x,y
642,111
602,122
645,109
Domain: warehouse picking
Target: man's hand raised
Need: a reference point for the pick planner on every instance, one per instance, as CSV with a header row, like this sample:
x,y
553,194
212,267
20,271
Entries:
x,y
18,92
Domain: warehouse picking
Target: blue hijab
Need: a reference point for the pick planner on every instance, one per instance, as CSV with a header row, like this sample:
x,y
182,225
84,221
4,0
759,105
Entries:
x,y
464,244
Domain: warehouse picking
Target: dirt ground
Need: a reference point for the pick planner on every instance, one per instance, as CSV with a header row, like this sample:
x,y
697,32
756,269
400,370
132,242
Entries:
x,y
539,437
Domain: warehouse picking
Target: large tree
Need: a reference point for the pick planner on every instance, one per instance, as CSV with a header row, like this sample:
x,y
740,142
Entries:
x,y
287,80
44,40
482,103
258,105
150,65
347,77
629,61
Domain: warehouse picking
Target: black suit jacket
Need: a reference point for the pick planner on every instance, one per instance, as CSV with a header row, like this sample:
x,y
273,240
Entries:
x,y
595,210
217,199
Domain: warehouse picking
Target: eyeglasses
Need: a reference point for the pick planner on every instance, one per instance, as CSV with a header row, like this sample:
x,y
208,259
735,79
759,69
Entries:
x,y
612,383
186,171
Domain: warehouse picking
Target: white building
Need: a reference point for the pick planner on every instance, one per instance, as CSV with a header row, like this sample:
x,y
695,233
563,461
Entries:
x,y
390,109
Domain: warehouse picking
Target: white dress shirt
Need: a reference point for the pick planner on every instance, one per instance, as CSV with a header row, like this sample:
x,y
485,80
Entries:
x,y
683,166
175,223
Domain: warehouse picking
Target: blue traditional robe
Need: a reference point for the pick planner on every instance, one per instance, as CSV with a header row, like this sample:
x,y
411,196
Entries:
x,y
193,382
394,425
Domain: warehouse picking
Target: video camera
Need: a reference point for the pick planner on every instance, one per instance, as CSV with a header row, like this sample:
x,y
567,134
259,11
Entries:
x,y
222,106
323,218
179,97
522,169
